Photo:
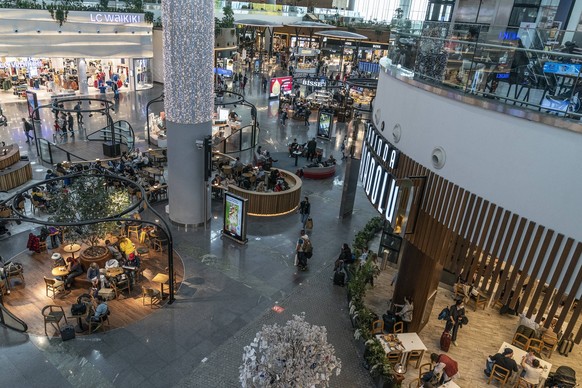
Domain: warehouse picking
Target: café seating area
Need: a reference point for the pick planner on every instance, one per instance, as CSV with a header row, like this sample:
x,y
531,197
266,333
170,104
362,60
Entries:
x,y
44,292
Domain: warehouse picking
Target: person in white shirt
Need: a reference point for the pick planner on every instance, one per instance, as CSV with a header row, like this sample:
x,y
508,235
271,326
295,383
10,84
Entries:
x,y
406,312
528,322
533,372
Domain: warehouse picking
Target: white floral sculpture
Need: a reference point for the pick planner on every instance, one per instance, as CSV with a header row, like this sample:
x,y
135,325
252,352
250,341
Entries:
x,y
294,355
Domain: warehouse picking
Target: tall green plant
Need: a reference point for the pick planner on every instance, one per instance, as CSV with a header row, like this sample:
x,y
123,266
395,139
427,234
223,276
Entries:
x,y
88,198
103,5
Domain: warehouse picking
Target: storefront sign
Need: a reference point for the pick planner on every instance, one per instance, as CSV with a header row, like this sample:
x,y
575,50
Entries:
x,y
318,83
380,186
118,18
21,64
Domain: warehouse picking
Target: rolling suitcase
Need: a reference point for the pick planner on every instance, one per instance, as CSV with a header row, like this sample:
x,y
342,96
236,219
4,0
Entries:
x,y
445,341
67,332
339,278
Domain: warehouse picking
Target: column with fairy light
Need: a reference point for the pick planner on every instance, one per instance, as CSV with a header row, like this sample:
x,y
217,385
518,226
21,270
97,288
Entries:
x,y
188,88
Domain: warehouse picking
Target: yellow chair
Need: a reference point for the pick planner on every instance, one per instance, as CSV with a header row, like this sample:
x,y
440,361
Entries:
x,y
520,340
415,355
549,342
398,328
53,285
53,314
378,327
133,229
500,374
394,357
535,345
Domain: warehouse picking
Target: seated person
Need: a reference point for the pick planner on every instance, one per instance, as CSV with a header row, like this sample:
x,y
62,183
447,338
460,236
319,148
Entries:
x,y
100,310
247,168
38,195
532,373
330,161
294,146
237,163
93,274
528,322
126,247
75,269
217,181
504,360
260,174
261,187
245,184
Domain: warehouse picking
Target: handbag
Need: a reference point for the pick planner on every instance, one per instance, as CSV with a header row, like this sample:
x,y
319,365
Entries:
x,y
78,309
309,223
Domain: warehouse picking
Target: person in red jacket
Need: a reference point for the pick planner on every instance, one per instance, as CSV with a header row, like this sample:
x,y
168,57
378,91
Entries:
x,y
446,365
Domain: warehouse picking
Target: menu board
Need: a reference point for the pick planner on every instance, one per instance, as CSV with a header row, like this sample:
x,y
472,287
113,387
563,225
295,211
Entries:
x,y
280,85
234,224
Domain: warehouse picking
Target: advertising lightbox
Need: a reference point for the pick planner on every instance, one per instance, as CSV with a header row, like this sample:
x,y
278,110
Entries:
x,y
235,218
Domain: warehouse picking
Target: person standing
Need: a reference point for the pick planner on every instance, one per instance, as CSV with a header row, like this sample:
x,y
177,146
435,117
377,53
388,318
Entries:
x,y
304,210
311,147
71,121
79,114
444,364
307,114
244,83
27,128
457,313
300,250
405,312
344,147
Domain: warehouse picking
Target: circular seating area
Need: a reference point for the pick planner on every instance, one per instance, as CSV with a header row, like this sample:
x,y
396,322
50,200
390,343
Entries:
x,y
272,203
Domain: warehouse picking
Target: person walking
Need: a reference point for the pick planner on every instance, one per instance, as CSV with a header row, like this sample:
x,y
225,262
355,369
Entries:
x,y
344,147
307,114
300,250
311,147
284,116
71,123
456,318
304,210
27,128
79,115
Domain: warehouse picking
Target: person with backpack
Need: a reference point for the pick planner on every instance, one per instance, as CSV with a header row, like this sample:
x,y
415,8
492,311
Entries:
x,y
303,249
27,129
444,366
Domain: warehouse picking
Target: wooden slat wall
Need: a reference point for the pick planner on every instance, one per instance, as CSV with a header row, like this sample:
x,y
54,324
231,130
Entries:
x,y
488,245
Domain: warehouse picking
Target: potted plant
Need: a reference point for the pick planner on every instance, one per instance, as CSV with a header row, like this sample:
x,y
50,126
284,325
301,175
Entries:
x,y
89,197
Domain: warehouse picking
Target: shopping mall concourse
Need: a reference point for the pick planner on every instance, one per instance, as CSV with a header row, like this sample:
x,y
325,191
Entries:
x,y
394,180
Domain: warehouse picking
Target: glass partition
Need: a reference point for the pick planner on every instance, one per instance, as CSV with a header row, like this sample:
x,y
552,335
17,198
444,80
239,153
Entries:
x,y
534,68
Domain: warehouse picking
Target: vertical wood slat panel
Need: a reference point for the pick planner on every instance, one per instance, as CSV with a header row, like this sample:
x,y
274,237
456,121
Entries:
x,y
497,262
526,266
571,295
544,276
487,265
453,236
430,179
477,214
437,194
540,259
421,227
501,257
555,278
456,221
436,239
444,200
563,284
481,257
478,239
519,259
446,237
460,240
504,276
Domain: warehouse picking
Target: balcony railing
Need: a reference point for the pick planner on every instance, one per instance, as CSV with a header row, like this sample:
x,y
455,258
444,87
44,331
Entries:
x,y
534,68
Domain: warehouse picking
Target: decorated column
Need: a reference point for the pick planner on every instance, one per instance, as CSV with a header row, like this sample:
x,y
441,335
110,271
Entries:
x,y
188,55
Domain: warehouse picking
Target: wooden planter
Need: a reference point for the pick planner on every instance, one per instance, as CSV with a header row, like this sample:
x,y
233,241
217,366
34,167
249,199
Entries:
x,y
100,259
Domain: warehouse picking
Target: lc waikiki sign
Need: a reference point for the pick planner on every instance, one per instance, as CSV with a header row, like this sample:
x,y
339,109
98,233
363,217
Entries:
x,y
380,186
117,18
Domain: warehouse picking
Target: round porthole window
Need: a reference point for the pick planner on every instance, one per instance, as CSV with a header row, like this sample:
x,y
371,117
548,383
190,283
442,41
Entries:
x,y
396,133
438,157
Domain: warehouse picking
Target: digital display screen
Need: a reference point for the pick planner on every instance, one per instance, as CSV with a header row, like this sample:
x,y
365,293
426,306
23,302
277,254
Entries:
x,y
32,103
324,125
280,85
562,68
234,211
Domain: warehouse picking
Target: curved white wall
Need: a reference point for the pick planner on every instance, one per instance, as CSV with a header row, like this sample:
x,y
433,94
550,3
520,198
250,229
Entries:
x,y
529,168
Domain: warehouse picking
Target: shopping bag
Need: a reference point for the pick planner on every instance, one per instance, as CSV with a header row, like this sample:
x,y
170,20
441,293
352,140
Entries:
x,y
309,223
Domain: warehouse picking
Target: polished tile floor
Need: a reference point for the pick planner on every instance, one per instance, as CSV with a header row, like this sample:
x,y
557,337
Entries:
x,y
228,292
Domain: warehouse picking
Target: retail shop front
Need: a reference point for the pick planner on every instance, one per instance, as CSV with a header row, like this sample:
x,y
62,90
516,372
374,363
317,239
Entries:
x,y
88,54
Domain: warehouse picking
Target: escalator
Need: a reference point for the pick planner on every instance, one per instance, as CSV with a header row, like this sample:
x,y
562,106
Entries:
x,y
10,320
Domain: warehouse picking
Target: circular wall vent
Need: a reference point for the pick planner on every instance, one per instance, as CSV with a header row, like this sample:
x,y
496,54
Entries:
x,y
439,157
377,117
396,133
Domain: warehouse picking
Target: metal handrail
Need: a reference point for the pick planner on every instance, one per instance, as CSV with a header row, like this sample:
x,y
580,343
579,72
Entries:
x,y
50,146
102,134
239,133
4,312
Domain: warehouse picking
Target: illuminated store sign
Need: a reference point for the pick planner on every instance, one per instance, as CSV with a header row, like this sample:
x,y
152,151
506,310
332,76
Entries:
x,y
120,18
380,186
313,82
21,64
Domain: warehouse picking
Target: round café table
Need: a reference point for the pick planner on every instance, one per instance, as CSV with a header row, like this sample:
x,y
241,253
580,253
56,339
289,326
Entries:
x,y
114,271
72,248
60,271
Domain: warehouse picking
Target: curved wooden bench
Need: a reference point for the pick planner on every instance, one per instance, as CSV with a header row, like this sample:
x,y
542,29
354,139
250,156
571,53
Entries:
x,y
272,204
318,172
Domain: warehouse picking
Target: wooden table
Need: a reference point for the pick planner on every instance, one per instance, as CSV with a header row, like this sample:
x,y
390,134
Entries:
x,y
154,172
162,279
409,342
72,248
60,271
518,354
112,272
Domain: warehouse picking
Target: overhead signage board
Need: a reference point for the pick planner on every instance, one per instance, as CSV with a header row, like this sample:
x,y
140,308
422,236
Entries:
x,y
116,18
318,83
380,186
